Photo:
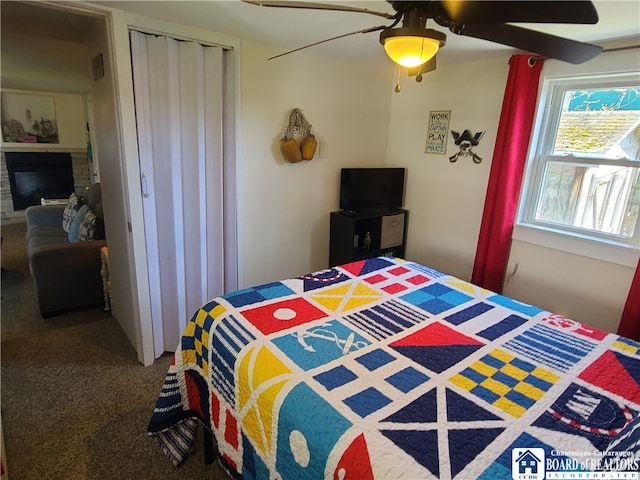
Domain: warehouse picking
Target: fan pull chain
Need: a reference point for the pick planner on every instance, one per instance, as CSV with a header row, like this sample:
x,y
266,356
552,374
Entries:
x,y
397,89
419,74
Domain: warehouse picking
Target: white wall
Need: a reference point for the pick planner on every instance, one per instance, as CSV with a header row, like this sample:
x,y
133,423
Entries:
x,y
587,290
446,200
285,207
66,65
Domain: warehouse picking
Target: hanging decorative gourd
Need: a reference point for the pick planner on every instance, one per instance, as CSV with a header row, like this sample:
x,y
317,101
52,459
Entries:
x,y
300,128
308,147
290,150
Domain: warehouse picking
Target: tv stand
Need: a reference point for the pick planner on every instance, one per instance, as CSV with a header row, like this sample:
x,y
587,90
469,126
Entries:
x,y
367,234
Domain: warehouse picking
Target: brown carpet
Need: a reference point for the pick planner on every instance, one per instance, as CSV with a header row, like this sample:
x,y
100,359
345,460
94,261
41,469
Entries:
x,y
75,400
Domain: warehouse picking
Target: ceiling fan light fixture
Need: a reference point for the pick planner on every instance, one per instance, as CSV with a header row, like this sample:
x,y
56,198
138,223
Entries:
x,y
411,48
411,51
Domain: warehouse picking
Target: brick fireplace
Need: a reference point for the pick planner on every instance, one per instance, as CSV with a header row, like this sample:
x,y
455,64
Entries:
x,y
40,172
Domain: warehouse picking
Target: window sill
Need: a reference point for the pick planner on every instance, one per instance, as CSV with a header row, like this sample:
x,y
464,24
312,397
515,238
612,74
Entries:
x,y
610,252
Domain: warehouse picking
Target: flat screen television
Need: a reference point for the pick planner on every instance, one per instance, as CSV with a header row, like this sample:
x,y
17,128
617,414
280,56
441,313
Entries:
x,y
371,189
30,187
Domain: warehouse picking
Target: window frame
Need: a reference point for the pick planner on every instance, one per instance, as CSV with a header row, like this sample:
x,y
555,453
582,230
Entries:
x,y
599,245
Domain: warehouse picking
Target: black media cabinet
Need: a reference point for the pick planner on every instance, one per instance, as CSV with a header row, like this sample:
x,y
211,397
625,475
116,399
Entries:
x,y
357,236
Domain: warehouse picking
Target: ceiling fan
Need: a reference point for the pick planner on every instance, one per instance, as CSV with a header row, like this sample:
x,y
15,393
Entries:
x,y
409,42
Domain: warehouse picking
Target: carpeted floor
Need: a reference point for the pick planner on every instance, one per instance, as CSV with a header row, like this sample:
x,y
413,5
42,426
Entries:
x,y
75,400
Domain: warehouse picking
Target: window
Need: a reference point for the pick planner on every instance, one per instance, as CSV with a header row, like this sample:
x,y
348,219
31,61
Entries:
x,y
583,177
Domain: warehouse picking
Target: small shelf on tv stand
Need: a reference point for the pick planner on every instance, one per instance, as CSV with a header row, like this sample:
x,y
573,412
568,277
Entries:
x,y
386,229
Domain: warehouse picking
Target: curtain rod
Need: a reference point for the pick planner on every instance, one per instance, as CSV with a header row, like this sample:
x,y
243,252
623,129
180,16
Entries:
x,y
618,49
534,58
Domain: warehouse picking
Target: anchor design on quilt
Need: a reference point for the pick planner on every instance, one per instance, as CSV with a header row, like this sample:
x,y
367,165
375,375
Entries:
x,y
344,345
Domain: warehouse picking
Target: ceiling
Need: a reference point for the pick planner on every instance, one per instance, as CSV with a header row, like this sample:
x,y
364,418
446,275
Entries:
x,y
291,28
29,18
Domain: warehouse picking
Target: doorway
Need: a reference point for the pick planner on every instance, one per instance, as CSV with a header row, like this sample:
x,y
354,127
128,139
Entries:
x,y
116,145
49,47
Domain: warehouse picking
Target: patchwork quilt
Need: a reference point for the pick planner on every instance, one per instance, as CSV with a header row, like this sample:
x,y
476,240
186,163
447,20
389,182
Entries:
x,y
387,369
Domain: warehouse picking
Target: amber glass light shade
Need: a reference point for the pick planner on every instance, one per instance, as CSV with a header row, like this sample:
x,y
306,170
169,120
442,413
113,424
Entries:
x,y
412,47
411,51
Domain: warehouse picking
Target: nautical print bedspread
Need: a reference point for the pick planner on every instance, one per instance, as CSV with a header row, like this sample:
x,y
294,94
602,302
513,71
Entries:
x,y
388,369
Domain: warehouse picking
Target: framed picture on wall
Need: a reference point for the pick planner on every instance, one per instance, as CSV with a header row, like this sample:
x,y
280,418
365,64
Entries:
x,y
28,118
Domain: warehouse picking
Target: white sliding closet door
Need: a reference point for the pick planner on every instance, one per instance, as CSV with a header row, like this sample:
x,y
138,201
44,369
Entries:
x,y
187,165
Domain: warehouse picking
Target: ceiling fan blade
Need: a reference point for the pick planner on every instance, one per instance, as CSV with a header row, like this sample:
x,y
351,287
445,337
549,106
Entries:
x,y
473,12
532,41
319,6
364,30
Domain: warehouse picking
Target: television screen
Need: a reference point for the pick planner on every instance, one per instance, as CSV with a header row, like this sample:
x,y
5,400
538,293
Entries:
x,y
367,189
30,187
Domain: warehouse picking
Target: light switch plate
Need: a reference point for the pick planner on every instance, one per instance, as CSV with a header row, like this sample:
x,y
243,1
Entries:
x,y
324,148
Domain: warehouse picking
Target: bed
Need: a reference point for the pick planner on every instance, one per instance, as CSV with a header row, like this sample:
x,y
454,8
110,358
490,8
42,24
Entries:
x,y
388,369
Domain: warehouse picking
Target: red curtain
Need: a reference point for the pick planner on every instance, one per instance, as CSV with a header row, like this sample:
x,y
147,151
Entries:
x,y
630,322
507,168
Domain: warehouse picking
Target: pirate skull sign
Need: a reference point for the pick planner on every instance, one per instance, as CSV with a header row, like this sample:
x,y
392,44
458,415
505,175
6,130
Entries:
x,y
466,142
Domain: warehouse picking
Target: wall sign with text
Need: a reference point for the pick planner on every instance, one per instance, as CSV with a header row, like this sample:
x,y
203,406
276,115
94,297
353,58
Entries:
x,y
437,131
